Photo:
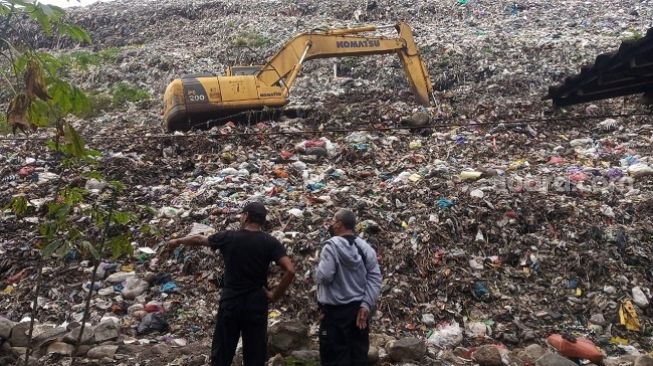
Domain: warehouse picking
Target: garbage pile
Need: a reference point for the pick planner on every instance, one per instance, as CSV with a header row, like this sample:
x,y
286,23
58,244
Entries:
x,y
497,220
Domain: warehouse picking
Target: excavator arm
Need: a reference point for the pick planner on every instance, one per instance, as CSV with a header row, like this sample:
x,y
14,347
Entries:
x,y
193,100
283,68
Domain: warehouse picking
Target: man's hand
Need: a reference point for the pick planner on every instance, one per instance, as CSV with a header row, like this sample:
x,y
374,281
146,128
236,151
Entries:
x,y
361,319
170,246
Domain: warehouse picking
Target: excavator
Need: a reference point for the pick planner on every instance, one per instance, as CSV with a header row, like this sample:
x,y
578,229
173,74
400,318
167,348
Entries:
x,y
197,101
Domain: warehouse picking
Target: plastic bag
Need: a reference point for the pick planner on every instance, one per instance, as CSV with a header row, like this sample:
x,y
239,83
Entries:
x,y
447,336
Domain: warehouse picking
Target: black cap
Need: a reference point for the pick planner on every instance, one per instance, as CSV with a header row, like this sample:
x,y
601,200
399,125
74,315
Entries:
x,y
256,209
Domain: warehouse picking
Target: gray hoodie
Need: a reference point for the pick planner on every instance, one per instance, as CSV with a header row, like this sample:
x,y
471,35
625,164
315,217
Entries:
x,y
343,277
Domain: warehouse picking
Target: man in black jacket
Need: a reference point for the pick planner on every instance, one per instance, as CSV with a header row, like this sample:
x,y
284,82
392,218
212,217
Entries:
x,y
244,301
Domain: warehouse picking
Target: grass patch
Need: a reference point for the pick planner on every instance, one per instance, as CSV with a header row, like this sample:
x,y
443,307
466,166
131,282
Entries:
x,y
4,125
97,103
84,59
251,39
123,92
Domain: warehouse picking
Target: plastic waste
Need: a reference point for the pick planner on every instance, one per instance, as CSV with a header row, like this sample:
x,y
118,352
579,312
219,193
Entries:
x,y
448,335
152,322
575,348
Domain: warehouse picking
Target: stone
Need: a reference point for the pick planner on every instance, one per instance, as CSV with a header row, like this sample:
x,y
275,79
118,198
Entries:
x,y
528,355
61,348
284,337
639,298
87,336
372,355
19,336
99,352
6,326
306,355
134,287
380,340
106,331
277,360
554,359
161,349
83,349
407,349
47,334
487,355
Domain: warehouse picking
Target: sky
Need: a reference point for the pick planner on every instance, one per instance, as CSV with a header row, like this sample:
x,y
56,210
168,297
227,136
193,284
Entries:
x,y
68,3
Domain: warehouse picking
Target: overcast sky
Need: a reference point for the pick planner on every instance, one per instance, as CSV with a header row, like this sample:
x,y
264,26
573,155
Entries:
x,y
66,3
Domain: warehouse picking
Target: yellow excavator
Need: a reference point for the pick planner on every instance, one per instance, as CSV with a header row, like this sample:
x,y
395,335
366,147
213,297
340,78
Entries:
x,y
194,101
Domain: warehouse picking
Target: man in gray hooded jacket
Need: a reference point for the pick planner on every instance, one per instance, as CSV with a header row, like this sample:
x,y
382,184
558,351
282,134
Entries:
x,y
349,282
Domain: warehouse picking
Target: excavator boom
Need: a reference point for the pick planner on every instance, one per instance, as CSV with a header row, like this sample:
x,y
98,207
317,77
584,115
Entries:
x,y
192,100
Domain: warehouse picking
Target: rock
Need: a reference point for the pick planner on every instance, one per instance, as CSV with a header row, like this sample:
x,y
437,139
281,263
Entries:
x,y
19,336
284,337
277,360
639,298
487,355
106,331
83,349
644,360
134,287
528,355
428,320
407,349
380,340
6,326
554,359
102,352
161,349
306,355
87,336
6,350
372,355
46,335
60,348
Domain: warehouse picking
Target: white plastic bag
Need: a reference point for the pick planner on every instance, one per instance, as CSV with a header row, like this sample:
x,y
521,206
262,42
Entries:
x,y
447,336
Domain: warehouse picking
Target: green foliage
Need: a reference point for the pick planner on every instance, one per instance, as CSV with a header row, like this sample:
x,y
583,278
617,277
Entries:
x,y
18,205
50,18
123,92
635,35
251,39
97,103
4,126
83,60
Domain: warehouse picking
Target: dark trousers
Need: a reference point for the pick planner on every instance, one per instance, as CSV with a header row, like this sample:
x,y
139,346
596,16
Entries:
x,y
341,342
246,315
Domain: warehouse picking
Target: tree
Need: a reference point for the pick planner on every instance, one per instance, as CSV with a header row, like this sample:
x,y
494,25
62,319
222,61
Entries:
x,y
38,94
40,97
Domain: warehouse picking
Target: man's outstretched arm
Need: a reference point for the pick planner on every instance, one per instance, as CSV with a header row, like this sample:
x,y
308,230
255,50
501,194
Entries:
x,y
288,274
191,241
